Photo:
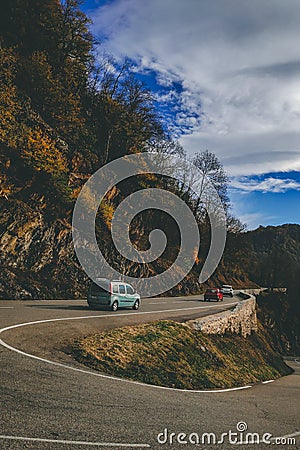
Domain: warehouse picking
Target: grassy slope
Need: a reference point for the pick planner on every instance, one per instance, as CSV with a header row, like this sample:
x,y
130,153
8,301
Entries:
x,y
170,354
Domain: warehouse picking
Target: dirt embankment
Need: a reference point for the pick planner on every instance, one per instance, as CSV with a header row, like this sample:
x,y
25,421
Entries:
x,y
167,353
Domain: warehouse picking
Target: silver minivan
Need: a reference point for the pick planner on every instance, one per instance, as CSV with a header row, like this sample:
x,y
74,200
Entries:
x,y
112,295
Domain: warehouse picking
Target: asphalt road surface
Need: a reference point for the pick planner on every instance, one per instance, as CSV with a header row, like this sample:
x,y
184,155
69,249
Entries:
x,y
49,401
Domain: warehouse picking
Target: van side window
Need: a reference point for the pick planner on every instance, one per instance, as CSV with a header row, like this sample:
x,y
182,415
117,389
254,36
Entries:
x,y
121,288
129,290
115,289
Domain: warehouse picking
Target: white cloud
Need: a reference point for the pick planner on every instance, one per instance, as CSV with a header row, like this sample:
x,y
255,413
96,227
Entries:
x,y
253,220
245,153
239,66
270,184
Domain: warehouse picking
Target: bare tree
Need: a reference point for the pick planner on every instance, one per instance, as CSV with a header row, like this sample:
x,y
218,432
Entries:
x,y
212,171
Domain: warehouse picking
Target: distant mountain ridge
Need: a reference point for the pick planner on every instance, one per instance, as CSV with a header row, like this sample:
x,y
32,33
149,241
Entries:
x,y
287,236
274,255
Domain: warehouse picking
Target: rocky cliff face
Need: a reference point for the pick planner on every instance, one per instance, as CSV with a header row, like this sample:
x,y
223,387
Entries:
x,y
37,255
38,259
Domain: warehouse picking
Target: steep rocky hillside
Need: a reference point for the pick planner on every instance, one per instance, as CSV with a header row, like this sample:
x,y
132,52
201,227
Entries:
x,y
279,313
274,255
64,115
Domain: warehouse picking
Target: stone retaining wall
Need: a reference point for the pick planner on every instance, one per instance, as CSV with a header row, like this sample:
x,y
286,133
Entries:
x,y
241,320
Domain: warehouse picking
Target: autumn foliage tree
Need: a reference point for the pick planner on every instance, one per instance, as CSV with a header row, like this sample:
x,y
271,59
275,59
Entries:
x,y
50,71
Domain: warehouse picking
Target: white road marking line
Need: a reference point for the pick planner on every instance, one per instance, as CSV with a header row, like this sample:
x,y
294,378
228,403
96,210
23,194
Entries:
x,y
99,375
297,433
157,303
96,316
268,381
202,301
61,441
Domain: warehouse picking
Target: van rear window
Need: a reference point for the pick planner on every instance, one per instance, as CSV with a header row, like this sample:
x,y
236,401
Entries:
x,y
115,289
96,289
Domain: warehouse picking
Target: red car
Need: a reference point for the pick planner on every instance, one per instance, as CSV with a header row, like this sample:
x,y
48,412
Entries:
x,y
213,294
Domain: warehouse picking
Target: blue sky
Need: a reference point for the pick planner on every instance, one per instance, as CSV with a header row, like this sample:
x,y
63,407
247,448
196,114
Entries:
x,y
227,78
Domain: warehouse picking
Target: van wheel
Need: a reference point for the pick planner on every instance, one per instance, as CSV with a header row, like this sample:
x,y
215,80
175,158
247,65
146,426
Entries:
x,y
114,306
136,305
